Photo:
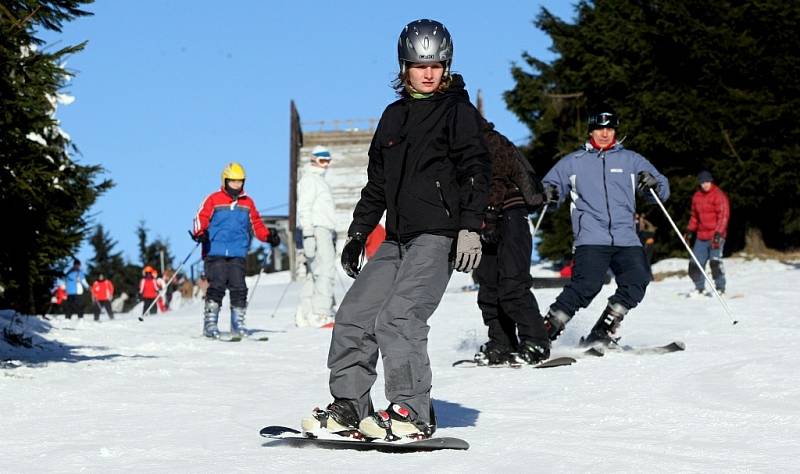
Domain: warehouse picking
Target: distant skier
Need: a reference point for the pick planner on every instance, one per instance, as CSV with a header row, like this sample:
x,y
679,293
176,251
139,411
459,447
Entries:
x,y
602,180
102,294
317,217
429,170
709,221
148,289
504,295
75,283
225,223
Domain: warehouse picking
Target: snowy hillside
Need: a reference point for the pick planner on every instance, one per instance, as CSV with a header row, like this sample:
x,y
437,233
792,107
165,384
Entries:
x,y
154,396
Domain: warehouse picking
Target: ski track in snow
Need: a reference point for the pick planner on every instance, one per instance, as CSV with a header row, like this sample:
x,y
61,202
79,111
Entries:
x,y
154,396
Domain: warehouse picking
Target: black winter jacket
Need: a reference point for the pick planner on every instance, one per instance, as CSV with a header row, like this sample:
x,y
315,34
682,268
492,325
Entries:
x,y
428,168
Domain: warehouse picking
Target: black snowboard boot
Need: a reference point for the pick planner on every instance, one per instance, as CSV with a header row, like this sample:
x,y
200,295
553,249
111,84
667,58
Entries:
x,y
494,354
340,417
554,323
395,423
533,352
605,329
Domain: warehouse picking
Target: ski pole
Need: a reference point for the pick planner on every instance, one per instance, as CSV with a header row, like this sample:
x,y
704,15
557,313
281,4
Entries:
x,y
281,298
258,278
174,274
539,222
691,254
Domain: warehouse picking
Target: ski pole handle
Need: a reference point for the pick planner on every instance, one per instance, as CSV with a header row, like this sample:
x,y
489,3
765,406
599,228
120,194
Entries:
x,y
691,254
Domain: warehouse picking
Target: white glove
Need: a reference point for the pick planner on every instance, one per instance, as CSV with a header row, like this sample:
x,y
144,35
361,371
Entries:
x,y
468,251
310,247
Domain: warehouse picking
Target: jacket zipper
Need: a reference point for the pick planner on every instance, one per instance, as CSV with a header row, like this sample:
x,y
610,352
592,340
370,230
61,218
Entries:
x,y
441,198
605,189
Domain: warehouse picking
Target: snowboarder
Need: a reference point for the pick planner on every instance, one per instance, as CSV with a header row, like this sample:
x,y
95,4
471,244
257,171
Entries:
x,y
429,170
225,224
602,180
75,282
504,279
102,293
709,221
317,217
148,289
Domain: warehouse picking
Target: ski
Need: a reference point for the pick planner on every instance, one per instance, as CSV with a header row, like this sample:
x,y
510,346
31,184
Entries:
x,y
550,363
298,438
674,346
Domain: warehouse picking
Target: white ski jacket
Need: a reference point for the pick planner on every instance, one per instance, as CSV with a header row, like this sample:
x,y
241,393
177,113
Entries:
x,y
315,207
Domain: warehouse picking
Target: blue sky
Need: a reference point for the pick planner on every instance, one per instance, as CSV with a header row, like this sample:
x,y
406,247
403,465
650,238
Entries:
x,y
167,92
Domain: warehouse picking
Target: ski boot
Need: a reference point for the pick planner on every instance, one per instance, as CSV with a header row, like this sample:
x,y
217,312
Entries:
x,y
395,423
340,418
491,354
237,322
210,316
532,352
605,329
554,323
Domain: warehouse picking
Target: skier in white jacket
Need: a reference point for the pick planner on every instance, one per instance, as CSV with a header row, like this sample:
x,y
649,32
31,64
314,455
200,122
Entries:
x,y
317,218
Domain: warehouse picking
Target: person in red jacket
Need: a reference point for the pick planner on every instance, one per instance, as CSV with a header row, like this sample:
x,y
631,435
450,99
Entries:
x,y
709,223
226,223
148,289
102,293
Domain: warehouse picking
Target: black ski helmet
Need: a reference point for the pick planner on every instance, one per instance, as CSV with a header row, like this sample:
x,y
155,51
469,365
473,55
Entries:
x,y
603,117
425,41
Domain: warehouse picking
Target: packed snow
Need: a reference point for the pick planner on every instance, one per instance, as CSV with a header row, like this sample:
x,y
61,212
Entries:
x,y
155,396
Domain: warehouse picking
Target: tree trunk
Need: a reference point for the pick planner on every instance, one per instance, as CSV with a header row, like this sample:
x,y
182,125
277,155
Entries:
x,y
754,242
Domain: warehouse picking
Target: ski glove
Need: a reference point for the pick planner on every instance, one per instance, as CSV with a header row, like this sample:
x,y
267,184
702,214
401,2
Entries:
x,y
550,194
310,246
353,254
273,238
201,237
717,241
489,232
468,251
646,182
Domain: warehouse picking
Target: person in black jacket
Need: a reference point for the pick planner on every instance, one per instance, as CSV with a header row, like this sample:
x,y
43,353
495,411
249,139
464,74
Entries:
x,y
429,171
515,324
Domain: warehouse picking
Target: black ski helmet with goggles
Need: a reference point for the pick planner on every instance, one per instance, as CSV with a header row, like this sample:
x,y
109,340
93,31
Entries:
x,y
605,117
424,42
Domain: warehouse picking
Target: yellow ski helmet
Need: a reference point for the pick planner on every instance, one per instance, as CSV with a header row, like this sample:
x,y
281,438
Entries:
x,y
234,171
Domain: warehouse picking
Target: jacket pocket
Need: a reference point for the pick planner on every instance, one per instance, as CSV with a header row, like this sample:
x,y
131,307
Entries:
x,y
442,198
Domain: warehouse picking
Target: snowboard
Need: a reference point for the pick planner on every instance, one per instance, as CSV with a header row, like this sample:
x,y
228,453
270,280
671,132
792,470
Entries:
x,y
554,362
297,438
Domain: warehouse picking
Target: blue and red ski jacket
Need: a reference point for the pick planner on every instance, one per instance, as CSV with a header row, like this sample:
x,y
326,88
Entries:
x,y
229,224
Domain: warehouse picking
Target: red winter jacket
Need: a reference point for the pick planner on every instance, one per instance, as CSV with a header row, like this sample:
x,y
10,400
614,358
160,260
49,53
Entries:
x,y
102,290
148,287
710,213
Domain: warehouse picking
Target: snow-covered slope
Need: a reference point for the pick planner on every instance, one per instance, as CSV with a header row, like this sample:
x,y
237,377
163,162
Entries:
x,y
154,396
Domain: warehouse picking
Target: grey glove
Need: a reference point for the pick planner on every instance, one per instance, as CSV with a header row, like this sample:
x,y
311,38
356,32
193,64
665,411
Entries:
x,y
468,251
310,247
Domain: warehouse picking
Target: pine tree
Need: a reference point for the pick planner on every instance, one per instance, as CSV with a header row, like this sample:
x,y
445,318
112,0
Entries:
x,y
698,85
45,192
150,253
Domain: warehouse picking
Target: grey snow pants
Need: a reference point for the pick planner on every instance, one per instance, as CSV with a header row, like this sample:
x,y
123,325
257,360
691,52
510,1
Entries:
x,y
387,310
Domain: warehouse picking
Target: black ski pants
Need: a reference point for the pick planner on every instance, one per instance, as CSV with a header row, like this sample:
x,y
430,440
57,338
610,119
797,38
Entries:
x,y
73,305
505,298
98,308
592,262
226,273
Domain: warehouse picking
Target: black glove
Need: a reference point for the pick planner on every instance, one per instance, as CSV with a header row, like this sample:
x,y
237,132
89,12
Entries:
x,y
489,232
201,237
551,194
717,242
353,254
688,236
646,182
273,238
